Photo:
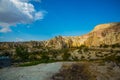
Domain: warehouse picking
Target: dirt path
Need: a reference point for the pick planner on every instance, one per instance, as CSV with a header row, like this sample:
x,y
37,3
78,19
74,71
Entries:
x,y
38,72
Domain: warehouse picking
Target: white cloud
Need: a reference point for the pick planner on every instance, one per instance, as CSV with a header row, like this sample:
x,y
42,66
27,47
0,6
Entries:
x,y
14,12
31,0
19,39
39,15
5,29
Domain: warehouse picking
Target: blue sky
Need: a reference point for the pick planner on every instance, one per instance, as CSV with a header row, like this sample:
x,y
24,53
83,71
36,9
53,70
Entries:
x,y
60,17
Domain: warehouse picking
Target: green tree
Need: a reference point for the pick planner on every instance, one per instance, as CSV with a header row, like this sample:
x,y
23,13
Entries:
x,y
44,57
66,56
22,52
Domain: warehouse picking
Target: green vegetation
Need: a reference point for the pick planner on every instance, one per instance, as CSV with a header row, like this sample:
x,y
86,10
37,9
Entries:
x,y
84,48
112,58
104,46
47,55
29,63
82,57
75,58
6,53
66,56
117,45
22,53
43,56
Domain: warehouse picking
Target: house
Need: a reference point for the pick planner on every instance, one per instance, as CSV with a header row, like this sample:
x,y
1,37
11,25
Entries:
x,y
5,61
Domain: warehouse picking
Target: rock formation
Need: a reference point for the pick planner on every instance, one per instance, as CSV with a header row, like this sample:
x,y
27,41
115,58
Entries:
x,y
104,34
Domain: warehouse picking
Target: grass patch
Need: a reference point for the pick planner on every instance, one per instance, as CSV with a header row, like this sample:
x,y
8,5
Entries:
x,y
29,63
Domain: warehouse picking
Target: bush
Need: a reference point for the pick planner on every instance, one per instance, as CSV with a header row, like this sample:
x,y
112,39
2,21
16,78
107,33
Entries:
x,y
112,58
84,48
44,58
82,57
22,53
66,55
75,58
115,45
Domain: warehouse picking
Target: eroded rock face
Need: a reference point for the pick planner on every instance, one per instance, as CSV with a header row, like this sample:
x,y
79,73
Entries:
x,y
102,34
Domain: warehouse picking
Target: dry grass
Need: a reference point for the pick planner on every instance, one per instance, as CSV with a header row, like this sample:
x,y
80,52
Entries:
x,y
75,71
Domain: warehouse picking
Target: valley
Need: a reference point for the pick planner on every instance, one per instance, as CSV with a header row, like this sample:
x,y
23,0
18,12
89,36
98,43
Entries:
x,y
98,52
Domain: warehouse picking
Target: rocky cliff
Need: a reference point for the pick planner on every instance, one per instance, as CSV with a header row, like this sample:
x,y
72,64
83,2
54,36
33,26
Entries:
x,y
103,34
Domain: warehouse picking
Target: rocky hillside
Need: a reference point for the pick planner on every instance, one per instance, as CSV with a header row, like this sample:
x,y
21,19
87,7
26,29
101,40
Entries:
x,y
103,34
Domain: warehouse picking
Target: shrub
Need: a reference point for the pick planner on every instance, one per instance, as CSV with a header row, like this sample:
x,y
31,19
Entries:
x,y
84,48
44,58
74,72
66,55
82,57
112,58
75,58
22,53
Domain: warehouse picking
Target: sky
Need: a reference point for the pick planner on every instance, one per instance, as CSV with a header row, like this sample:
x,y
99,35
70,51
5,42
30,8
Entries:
x,y
26,20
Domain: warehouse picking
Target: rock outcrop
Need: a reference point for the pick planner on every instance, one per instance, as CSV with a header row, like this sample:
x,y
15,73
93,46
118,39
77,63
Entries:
x,y
104,34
